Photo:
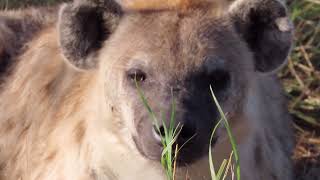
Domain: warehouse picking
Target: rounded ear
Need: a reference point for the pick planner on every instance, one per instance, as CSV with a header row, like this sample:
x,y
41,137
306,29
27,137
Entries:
x,y
83,27
266,28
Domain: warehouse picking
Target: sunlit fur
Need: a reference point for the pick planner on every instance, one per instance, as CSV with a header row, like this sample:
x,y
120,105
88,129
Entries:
x,y
60,122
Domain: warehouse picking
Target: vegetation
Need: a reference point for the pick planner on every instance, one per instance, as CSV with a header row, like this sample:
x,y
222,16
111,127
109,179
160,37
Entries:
x,y
169,135
301,81
226,163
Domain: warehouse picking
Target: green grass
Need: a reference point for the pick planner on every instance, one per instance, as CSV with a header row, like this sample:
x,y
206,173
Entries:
x,y
170,134
223,167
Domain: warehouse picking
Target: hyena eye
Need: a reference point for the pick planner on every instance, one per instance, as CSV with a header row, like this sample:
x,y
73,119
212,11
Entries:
x,y
136,75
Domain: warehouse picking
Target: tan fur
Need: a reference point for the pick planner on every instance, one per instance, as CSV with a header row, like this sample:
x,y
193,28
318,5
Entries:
x,y
163,4
17,27
49,110
52,138
58,122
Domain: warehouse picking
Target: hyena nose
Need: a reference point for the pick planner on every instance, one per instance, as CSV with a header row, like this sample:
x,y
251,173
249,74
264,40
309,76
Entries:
x,y
158,133
187,132
184,133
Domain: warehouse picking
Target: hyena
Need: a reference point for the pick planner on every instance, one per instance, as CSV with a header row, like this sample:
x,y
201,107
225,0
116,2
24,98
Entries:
x,y
17,27
70,108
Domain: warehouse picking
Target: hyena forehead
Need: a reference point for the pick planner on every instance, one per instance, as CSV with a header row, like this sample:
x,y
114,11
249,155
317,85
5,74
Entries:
x,y
168,40
180,5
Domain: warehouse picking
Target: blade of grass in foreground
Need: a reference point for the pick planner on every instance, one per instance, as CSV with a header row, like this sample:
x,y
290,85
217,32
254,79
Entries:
x,y
150,111
231,138
167,139
225,166
213,172
222,168
228,166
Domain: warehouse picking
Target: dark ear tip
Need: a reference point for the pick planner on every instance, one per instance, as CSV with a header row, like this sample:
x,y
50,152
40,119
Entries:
x,y
66,35
81,32
267,30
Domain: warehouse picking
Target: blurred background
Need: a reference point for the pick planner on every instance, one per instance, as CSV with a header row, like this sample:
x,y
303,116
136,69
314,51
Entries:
x,y
300,79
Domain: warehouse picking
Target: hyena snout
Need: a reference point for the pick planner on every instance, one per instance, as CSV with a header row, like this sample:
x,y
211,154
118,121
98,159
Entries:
x,y
193,129
195,117
185,132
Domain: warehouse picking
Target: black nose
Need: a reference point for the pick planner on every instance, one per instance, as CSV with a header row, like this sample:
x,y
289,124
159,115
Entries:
x,y
158,133
186,132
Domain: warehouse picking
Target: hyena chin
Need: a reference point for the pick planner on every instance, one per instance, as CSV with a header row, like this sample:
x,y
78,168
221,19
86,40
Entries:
x,y
70,108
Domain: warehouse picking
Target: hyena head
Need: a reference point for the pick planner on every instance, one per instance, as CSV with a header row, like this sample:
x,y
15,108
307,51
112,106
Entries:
x,y
174,53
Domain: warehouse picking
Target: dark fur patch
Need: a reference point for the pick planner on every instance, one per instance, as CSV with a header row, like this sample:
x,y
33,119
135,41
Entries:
x,y
8,126
17,28
83,29
51,156
258,157
79,131
256,21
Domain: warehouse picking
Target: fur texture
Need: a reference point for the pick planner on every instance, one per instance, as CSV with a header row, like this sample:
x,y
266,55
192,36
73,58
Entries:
x,y
17,27
69,108
163,5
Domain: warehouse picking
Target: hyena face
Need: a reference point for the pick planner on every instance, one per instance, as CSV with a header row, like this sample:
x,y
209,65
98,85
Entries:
x,y
180,62
175,55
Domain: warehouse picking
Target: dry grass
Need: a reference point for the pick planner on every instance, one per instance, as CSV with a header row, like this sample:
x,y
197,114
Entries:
x,y
301,81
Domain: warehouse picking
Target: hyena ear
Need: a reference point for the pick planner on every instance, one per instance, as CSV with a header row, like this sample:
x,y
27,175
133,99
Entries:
x,y
83,27
267,29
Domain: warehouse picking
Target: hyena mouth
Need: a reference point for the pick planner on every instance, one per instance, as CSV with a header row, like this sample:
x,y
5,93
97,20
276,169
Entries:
x,y
193,150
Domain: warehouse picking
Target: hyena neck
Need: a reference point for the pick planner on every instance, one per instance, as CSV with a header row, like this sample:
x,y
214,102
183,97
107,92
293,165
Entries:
x,y
47,128
18,27
268,135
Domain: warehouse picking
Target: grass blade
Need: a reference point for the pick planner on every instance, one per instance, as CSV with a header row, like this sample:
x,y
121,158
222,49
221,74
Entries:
x,y
228,166
146,104
212,170
231,138
221,169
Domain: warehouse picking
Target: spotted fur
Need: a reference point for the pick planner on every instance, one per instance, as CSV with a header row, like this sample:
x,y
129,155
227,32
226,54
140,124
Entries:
x,y
69,108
